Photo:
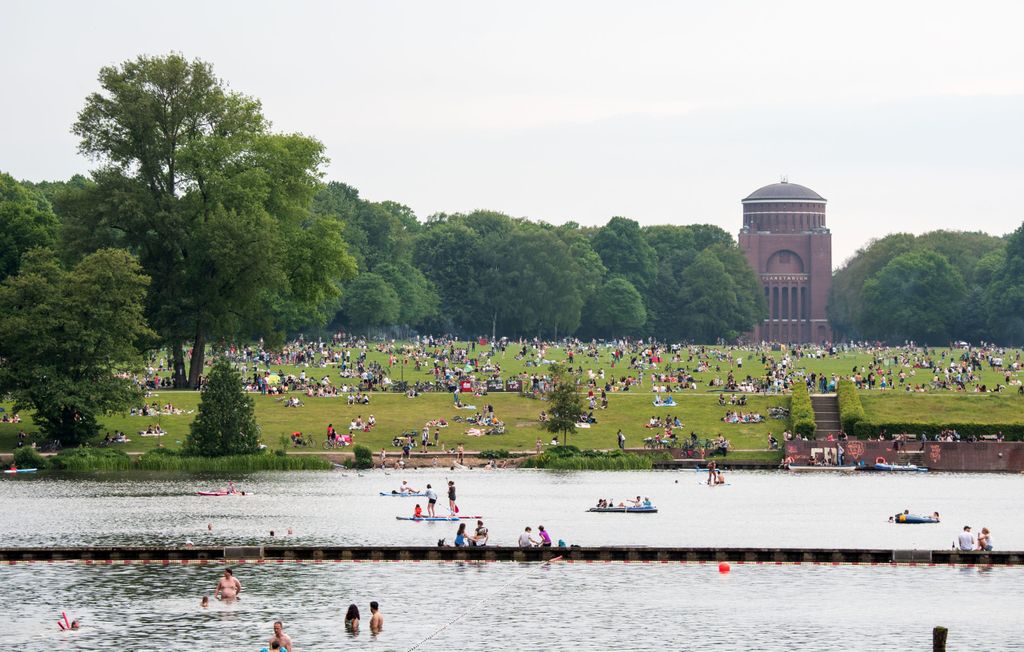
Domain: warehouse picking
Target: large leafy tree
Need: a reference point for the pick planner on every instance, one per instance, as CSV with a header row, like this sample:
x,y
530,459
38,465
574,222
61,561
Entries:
x,y
617,308
371,301
212,202
26,221
68,336
225,422
916,296
625,251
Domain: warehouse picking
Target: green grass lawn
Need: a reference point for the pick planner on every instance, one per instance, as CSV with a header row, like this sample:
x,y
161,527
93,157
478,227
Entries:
x,y
395,413
629,411
882,407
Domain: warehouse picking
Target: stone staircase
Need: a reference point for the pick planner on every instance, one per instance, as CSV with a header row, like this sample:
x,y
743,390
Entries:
x,y
826,415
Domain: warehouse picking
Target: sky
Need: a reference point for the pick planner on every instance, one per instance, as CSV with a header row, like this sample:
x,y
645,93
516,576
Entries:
x,y
905,115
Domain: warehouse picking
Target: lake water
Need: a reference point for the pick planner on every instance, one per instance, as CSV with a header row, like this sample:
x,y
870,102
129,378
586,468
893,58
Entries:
x,y
507,606
761,509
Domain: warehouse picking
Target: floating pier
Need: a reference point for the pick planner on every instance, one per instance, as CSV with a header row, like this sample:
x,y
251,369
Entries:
x,y
628,554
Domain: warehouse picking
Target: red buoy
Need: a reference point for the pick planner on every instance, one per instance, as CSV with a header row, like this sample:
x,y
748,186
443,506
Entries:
x,y
724,567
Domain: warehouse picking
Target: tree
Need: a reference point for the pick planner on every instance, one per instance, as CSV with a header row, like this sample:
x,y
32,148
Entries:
x,y
1004,297
566,406
26,221
225,423
418,300
713,303
68,336
624,251
617,308
371,301
916,296
193,182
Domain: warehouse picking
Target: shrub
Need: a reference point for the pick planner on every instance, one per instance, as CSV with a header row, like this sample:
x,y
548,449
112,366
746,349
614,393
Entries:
x,y
225,423
594,461
91,459
28,458
165,460
364,457
801,412
851,412
1011,431
495,454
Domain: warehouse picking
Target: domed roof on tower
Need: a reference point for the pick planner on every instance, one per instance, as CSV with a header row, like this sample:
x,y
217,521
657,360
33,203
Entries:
x,y
784,191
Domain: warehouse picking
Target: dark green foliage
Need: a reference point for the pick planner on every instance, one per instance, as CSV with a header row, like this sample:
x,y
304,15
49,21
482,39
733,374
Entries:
x,y
226,422
28,458
851,412
363,457
917,296
165,460
91,459
26,221
865,429
67,335
501,454
801,412
976,258
559,459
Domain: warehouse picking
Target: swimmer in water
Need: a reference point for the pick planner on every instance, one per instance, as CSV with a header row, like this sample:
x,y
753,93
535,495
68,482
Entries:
x,y
205,602
228,587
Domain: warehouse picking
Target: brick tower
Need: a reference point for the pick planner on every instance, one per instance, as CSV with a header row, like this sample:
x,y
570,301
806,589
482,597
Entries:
x,y
789,247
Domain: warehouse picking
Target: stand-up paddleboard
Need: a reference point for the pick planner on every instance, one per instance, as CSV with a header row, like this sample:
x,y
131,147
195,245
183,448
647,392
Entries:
x,y
398,494
13,471
427,518
224,493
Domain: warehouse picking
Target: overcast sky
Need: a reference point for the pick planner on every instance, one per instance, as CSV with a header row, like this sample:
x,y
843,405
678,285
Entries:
x,y
904,115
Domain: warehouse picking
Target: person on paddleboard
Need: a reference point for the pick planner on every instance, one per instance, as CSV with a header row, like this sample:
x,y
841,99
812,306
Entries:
x,y
418,512
451,498
431,501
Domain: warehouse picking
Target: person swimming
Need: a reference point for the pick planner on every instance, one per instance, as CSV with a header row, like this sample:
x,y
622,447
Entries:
x,y
352,619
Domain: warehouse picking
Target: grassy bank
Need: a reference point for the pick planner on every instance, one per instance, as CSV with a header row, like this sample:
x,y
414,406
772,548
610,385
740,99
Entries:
x,y
105,459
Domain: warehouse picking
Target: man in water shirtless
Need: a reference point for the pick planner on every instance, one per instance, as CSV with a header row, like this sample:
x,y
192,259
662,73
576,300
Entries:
x,y
228,587
283,639
376,619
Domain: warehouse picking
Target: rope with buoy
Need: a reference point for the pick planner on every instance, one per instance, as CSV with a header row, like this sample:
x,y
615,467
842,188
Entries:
x,y
480,602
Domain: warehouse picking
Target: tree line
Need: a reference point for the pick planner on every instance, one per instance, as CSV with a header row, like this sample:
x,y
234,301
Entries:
x,y
932,289
239,237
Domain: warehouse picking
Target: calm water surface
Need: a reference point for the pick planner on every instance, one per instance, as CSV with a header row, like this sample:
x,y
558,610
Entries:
x,y
343,508
506,606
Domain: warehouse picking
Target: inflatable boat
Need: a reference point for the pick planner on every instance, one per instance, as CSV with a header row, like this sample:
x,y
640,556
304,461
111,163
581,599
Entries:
x,y
624,510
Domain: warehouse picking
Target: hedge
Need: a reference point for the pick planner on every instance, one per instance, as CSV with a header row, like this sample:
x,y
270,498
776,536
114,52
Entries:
x,y
865,429
801,412
851,412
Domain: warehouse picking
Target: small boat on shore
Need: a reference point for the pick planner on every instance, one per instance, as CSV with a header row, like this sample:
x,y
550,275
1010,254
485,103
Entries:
x,y
821,468
911,468
624,510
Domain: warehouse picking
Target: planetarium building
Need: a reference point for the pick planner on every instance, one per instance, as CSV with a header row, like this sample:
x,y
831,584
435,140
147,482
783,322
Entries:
x,y
789,247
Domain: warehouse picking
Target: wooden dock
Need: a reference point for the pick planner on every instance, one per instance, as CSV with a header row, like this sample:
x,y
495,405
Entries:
x,y
627,554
